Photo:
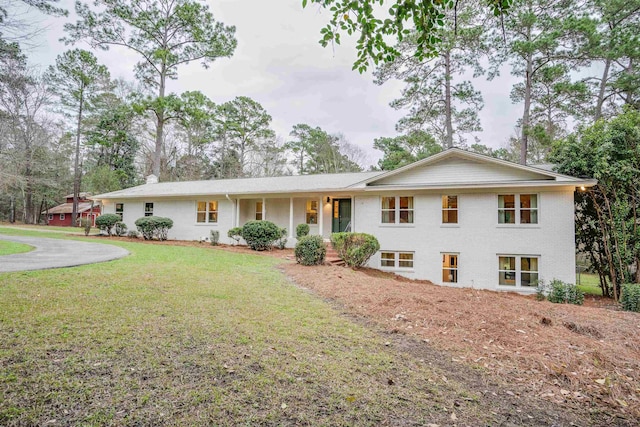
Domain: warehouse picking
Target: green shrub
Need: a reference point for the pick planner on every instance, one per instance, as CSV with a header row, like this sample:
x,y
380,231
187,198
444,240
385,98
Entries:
x,y
133,234
85,223
310,250
235,233
154,227
560,292
302,230
630,297
120,228
214,237
260,235
355,248
281,243
106,222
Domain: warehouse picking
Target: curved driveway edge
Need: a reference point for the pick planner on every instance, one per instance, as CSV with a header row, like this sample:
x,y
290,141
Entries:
x,y
57,253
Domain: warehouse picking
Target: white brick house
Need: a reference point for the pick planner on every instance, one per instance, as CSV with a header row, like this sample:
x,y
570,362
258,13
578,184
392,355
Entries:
x,y
456,218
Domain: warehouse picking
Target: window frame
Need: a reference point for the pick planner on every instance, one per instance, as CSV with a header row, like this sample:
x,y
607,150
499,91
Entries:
x,y
309,211
207,212
148,209
259,205
62,217
451,267
518,272
518,209
397,211
396,259
120,212
449,209
49,217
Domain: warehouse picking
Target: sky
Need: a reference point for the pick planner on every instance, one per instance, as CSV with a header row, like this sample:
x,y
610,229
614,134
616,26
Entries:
x,y
280,64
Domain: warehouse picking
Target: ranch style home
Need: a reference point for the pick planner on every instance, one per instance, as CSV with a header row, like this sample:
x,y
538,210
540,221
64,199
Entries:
x,y
456,218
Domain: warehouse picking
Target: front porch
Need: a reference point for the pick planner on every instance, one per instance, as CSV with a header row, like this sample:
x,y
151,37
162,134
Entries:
x,y
324,213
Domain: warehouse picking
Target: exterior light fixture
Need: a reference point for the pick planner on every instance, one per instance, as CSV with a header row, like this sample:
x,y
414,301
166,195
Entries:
x,y
582,188
328,199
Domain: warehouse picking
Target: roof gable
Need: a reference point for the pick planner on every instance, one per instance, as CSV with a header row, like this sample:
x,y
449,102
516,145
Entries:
x,y
456,166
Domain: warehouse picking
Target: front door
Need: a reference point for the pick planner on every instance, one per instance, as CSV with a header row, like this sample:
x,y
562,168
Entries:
x,y
341,215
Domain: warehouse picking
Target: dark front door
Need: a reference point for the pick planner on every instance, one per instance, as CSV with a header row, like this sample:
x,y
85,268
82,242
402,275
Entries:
x,y
341,215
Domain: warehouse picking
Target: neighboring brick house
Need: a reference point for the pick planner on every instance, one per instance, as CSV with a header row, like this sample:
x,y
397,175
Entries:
x,y
61,215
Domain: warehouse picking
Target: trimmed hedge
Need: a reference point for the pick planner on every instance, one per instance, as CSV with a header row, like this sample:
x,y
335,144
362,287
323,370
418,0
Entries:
x,y
630,297
302,230
106,222
560,292
154,227
355,248
261,235
281,243
310,250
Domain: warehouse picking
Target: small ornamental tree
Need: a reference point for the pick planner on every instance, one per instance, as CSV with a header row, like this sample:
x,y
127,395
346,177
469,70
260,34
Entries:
x,y
106,222
355,248
235,233
261,235
302,230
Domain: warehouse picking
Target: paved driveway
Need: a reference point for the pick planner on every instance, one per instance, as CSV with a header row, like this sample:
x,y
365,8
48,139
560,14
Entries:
x,y
56,253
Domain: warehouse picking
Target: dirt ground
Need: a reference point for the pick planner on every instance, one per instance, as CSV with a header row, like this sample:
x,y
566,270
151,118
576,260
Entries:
x,y
575,363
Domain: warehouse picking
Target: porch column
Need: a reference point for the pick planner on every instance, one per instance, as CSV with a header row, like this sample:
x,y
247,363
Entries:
x,y
237,212
353,214
291,217
321,216
264,208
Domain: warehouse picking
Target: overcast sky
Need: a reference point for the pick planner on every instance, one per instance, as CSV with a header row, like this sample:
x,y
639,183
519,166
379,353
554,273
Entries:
x,y
279,63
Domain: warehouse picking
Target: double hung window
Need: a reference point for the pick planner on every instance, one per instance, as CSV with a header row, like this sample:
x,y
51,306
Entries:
x,y
397,210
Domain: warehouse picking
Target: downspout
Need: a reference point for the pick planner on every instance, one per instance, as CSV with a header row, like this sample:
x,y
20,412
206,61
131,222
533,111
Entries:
x,y
233,216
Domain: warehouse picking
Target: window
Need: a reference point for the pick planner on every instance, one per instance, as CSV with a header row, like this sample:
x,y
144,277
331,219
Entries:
x,y
61,217
148,209
517,271
207,212
527,212
50,217
120,210
312,212
396,259
397,210
449,268
449,209
259,211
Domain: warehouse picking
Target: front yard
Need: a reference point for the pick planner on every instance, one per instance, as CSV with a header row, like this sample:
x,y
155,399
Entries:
x,y
184,335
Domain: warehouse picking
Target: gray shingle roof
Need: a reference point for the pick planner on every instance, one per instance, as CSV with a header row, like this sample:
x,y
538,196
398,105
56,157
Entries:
x,y
267,185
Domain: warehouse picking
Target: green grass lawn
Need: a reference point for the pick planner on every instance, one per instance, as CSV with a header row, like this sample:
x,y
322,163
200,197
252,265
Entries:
x,y
589,283
8,248
199,336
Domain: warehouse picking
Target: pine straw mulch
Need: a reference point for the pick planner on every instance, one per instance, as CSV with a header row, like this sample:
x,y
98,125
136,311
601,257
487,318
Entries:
x,y
584,357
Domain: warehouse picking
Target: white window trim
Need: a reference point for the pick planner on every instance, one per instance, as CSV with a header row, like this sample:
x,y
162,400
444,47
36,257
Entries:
x,y
518,270
396,260
261,211
152,208
397,222
457,269
62,217
450,224
50,217
121,213
206,212
517,208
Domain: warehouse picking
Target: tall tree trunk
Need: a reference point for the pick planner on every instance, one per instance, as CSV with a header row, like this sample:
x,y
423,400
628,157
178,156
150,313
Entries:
x,y
524,138
28,191
157,155
601,92
629,92
447,99
76,172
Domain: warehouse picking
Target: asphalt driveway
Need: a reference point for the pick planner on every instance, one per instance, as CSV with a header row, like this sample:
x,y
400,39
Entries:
x,y
56,253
